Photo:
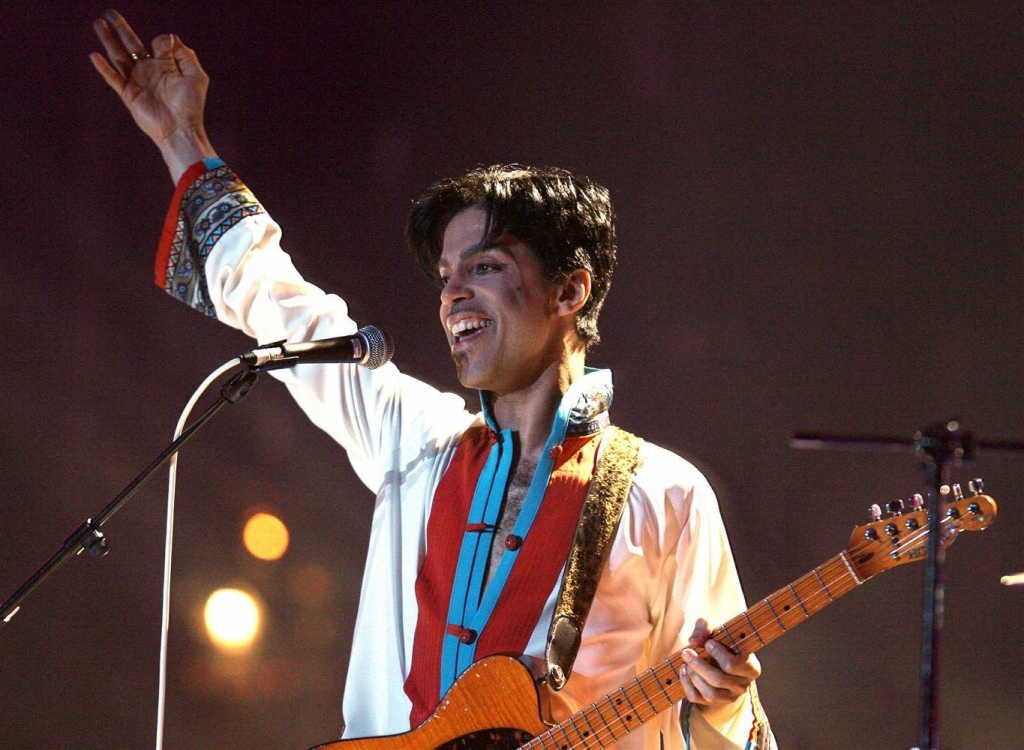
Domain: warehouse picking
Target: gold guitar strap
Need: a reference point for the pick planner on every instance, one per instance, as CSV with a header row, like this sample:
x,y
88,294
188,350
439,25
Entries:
x,y
599,519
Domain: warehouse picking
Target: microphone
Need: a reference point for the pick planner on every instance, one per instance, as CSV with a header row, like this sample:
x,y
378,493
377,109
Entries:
x,y
370,347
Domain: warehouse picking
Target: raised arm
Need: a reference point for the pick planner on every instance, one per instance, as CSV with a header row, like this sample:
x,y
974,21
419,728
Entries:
x,y
165,91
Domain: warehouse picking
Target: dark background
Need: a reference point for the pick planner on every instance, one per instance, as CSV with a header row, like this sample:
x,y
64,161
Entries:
x,y
820,229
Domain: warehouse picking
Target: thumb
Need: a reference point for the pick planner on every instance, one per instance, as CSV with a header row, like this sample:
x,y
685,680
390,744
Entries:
x,y
162,46
187,60
700,633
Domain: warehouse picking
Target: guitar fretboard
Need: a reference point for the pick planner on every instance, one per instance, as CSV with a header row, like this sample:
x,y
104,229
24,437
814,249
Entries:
x,y
654,691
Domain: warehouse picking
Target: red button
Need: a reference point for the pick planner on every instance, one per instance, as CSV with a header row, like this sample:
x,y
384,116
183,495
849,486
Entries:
x,y
465,635
555,452
513,542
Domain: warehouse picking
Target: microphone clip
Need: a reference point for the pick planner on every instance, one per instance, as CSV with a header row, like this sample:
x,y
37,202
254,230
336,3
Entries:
x,y
268,357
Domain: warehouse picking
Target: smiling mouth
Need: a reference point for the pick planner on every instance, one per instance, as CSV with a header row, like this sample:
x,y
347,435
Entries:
x,y
469,328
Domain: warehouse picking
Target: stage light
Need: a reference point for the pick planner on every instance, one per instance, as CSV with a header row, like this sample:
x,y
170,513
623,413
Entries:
x,y
265,536
232,619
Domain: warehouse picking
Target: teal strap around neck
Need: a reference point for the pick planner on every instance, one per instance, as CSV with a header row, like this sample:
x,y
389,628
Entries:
x,y
471,605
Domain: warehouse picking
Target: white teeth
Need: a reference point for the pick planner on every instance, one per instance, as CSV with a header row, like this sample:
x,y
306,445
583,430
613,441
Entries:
x,y
469,324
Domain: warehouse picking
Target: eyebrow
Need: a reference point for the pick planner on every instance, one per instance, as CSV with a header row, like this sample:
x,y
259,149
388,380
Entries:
x,y
474,249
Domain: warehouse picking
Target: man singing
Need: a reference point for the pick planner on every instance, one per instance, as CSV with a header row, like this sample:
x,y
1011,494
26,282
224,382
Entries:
x,y
475,513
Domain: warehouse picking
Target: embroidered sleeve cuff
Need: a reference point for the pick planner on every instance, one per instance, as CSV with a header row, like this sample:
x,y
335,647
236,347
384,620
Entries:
x,y
208,201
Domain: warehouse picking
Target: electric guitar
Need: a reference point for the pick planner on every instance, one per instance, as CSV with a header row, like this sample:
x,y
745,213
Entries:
x,y
495,704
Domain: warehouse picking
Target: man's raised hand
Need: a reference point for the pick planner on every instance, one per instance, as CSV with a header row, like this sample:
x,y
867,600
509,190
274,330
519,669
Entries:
x,y
165,91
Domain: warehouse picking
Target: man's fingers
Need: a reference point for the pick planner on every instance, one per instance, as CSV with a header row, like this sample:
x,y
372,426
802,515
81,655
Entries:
x,y
699,689
734,664
722,682
113,78
125,33
117,54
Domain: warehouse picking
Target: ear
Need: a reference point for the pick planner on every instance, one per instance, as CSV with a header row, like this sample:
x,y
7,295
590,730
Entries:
x,y
573,292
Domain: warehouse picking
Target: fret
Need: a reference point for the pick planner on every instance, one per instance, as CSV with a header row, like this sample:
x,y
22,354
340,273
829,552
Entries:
x,y
850,567
754,628
658,682
561,728
614,708
576,729
541,741
592,732
725,629
799,601
635,714
767,600
605,723
673,665
823,584
643,692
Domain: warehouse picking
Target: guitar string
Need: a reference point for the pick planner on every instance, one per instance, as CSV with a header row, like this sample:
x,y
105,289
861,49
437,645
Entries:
x,y
837,570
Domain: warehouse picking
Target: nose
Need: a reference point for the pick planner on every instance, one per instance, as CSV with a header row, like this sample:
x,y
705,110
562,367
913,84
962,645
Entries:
x,y
455,289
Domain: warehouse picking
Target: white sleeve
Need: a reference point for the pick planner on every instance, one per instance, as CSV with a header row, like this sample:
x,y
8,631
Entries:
x,y
254,287
699,579
221,254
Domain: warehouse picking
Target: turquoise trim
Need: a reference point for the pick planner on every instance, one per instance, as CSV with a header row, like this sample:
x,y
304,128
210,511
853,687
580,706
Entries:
x,y
474,553
686,724
212,162
471,605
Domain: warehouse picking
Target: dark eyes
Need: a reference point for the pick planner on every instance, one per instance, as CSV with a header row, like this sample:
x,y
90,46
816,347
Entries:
x,y
481,268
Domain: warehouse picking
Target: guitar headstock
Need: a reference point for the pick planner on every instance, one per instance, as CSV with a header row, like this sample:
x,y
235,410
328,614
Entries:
x,y
902,537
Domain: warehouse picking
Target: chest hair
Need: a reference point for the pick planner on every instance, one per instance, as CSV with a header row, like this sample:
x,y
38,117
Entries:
x,y
515,495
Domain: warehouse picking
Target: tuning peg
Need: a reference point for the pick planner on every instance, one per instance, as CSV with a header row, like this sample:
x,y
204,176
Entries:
x,y
876,512
917,502
976,486
958,493
896,507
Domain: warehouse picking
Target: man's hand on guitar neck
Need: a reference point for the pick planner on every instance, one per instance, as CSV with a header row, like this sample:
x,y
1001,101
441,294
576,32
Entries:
x,y
714,683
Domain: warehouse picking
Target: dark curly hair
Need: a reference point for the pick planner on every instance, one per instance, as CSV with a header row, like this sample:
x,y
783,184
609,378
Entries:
x,y
565,219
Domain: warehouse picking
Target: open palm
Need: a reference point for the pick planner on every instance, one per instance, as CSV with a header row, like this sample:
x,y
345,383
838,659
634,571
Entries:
x,y
165,92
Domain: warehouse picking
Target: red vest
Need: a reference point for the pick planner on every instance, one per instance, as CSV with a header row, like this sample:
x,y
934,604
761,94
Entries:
x,y
534,575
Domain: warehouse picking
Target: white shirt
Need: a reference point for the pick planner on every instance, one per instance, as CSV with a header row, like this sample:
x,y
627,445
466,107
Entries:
x,y
669,563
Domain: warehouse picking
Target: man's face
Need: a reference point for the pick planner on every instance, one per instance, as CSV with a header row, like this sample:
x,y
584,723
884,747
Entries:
x,y
497,310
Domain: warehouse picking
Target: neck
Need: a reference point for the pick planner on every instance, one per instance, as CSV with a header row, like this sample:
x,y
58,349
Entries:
x,y
530,411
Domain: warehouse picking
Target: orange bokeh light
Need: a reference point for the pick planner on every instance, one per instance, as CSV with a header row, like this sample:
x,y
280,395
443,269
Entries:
x,y
265,536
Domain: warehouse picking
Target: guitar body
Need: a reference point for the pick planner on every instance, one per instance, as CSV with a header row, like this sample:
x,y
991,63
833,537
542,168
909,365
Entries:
x,y
494,705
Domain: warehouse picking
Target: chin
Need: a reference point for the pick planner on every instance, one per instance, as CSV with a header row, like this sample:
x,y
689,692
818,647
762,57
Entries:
x,y
476,381
464,372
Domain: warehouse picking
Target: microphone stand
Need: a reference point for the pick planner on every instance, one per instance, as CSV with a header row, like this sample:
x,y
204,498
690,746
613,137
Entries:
x,y
939,447
88,535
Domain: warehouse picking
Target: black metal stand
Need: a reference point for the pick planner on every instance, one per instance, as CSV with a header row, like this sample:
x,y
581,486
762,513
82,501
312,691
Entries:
x,y
939,447
88,535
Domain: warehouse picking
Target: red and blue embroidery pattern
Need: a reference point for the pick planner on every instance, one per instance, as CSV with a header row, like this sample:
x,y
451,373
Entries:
x,y
211,202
